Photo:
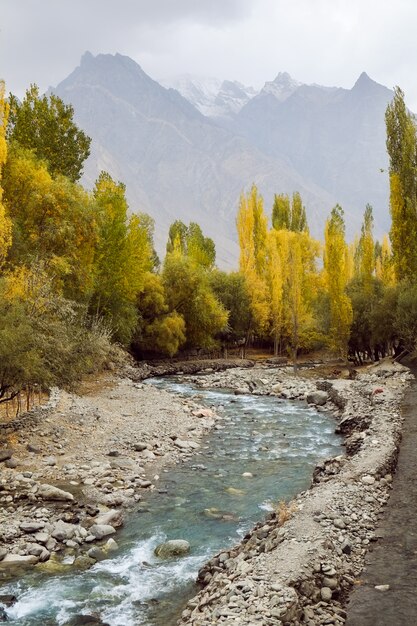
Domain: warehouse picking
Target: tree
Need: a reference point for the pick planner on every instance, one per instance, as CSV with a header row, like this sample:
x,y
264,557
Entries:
x,y
289,215
190,241
124,254
402,151
252,231
5,222
365,251
54,220
232,292
158,330
188,292
45,339
45,124
335,275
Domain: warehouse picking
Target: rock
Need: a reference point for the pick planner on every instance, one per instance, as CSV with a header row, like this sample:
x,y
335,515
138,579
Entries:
x,y
180,443
50,461
247,475
99,531
31,527
84,562
113,517
326,594
62,531
96,553
49,492
110,546
8,599
172,548
35,549
5,455
382,587
113,453
85,620
3,553
368,480
11,463
32,448
18,559
140,446
3,615
317,397
203,413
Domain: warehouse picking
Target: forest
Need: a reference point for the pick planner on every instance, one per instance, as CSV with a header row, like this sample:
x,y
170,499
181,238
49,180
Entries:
x,y
80,278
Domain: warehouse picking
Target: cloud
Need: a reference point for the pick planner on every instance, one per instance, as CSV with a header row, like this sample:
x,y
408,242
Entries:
x,y
325,41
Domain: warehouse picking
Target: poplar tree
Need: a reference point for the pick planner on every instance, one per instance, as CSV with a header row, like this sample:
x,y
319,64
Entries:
x,y
402,151
252,231
5,222
335,275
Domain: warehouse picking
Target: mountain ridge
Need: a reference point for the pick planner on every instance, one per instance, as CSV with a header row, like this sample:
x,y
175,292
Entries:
x,y
180,164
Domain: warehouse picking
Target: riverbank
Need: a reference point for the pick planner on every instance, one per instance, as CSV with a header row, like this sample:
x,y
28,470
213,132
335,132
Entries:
x,y
105,448
70,468
299,566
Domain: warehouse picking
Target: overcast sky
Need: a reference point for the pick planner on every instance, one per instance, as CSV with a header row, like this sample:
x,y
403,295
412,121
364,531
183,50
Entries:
x,y
324,41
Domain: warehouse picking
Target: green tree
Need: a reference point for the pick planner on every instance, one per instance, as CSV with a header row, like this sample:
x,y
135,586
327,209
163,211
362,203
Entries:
x,y
402,151
289,215
124,254
232,292
158,330
365,251
188,292
190,241
45,124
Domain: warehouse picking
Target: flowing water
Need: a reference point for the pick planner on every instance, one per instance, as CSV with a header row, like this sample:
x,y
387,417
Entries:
x,y
204,500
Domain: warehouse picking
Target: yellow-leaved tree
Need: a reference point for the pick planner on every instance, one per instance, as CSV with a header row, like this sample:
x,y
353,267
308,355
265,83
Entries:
x,y
335,278
252,232
5,222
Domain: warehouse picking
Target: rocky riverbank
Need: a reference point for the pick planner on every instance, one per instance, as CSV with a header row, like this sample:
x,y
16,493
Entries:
x,y
69,469
299,565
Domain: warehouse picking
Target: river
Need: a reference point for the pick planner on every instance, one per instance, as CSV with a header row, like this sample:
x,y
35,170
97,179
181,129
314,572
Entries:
x,y
205,500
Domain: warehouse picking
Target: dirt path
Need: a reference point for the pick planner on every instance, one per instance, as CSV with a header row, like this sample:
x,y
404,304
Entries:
x,y
393,562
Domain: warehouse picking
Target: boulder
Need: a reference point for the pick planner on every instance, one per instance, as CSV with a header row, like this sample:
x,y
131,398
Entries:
x,y
172,548
49,492
18,559
99,531
317,397
113,517
31,527
5,455
63,531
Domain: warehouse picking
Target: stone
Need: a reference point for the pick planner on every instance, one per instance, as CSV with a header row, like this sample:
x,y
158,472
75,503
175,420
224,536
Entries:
x,y
11,463
96,553
111,545
113,517
50,461
31,527
85,620
326,594
5,455
8,599
3,553
382,587
49,492
18,559
247,475
140,446
172,548
32,448
99,531
317,397
62,531
84,562
368,480
183,445
35,549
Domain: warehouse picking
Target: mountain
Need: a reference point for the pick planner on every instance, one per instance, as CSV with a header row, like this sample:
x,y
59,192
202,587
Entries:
x,y
332,136
176,163
211,96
